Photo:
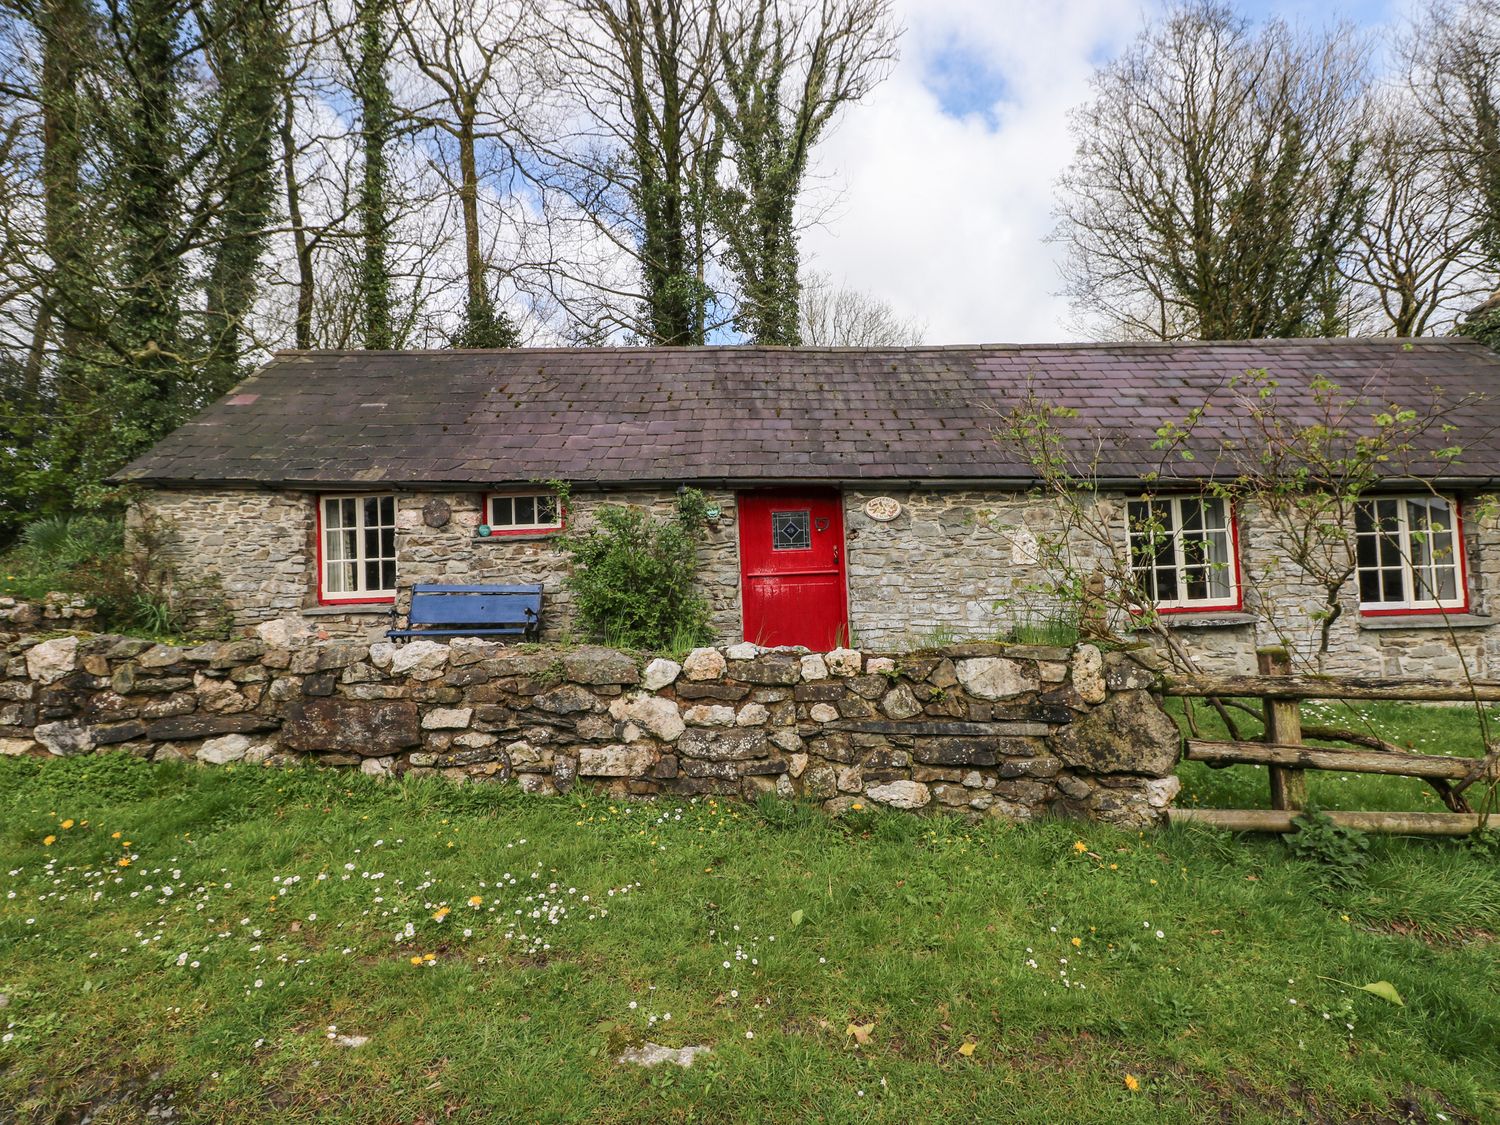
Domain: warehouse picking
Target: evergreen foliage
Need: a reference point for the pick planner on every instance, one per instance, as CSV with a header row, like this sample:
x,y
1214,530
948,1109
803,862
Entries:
x,y
633,578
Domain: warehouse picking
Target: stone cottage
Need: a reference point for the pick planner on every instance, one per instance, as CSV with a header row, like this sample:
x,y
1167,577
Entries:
x,y
865,495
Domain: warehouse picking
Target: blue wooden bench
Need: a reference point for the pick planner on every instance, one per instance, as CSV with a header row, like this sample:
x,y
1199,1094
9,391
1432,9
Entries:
x,y
471,611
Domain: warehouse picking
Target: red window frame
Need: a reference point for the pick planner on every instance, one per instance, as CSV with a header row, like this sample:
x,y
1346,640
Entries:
x,y
1460,563
1231,518
323,597
541,529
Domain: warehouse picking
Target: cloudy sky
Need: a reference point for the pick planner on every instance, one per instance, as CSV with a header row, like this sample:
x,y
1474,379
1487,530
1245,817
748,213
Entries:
x,y
939,189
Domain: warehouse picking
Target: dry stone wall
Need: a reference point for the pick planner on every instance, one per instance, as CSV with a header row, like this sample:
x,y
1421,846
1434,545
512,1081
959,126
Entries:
x,y
983,730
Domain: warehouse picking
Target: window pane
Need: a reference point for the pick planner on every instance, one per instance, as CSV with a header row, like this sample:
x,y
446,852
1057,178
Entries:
x,y
388,575
546,509
525,507
388,510
791,531
388,542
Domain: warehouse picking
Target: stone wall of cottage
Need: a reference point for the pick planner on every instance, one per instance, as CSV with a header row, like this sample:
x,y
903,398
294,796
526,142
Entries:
x,y
954,565
964,565
262,546
982,730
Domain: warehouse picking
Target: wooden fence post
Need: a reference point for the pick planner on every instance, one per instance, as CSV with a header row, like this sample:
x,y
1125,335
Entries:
x,y
1283,727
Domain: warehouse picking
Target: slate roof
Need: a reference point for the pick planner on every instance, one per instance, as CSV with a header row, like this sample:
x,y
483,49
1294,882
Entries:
x,y
757,415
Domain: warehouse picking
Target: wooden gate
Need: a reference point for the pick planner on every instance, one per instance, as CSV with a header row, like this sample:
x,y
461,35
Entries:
x,y
1282,750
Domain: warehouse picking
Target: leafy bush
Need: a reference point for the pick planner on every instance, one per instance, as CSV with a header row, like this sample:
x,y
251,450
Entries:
x,y
1338,854
633,576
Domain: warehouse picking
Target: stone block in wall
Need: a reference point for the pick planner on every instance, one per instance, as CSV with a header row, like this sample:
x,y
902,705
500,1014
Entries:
x,y
569,699
996,677
615,761
371,729
730,692
1129,733
768,668
66,739
206,726
651,713
704,664
723,745
901,794
660,673
958,751
50,661
592,664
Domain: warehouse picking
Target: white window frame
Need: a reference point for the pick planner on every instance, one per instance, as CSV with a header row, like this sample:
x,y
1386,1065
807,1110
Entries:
x,y
326,530
1410,603
534,527
1180,563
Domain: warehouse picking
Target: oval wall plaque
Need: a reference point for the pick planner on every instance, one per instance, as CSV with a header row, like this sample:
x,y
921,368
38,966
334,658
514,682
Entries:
x,y
883,508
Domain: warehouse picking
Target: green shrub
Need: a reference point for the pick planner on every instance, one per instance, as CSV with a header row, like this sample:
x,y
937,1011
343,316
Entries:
x,y
633,576
1338,855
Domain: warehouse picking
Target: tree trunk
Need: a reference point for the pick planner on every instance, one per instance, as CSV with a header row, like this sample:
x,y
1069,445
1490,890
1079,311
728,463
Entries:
x,y
373,95
302,247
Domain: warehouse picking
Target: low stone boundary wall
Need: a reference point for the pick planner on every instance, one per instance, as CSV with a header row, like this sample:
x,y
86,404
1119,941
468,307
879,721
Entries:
x,y
1008,731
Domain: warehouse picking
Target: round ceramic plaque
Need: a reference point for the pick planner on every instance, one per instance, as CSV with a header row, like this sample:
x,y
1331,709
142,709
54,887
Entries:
x,y
883,508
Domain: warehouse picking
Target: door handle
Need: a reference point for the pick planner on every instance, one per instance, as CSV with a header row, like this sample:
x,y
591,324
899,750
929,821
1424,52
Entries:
x,y
821,524
835,554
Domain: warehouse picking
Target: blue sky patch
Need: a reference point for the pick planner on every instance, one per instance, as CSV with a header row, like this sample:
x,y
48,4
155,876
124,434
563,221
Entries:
x,y
965,83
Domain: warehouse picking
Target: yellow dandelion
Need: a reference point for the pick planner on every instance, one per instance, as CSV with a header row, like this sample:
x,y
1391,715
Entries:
x,y
114,835
1077,943
417,960
1080,846
48,841
1132,1083
68,823
856,806
1114,867
475,900
124,862
442,913
429,956
1153,882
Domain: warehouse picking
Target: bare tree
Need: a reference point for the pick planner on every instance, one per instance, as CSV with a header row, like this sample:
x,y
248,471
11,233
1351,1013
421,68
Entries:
x,y
1215,192
625,147
1455,62
1420,255
833,316
477,57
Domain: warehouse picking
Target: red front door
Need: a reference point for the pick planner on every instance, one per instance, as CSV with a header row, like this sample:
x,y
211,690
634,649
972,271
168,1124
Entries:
x,y
792,564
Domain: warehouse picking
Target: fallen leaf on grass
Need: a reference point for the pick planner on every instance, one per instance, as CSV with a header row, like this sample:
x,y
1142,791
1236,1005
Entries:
x,y
966,1049
1385,990
861,1032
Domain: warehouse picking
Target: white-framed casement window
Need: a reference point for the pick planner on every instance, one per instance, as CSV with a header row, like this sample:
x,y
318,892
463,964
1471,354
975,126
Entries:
x,y
1409,550
511,513
1182,552
357,548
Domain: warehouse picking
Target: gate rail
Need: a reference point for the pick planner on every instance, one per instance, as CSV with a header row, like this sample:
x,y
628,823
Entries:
x,y
1283,751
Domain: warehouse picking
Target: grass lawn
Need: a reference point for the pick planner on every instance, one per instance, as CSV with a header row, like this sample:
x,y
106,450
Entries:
x,y
201,938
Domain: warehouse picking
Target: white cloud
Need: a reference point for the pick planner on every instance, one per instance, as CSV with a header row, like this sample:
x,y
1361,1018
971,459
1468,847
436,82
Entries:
x,y
946,216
